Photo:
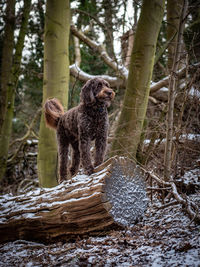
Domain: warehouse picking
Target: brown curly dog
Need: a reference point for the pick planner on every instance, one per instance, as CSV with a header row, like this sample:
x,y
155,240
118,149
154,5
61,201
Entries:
x,y
80,125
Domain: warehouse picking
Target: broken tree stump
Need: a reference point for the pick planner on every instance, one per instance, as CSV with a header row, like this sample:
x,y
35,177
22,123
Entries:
x,y
114,194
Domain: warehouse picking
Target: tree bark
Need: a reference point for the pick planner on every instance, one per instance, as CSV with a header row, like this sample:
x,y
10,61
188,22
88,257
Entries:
x,y
15,71
172,96
108,14
114,195
56,77
7,57
173,17
131,120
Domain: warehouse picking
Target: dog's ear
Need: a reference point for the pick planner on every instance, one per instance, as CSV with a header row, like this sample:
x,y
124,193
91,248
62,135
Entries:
x,y
87,92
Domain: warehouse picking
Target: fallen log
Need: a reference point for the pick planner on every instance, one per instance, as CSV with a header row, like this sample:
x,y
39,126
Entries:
x,y
114,195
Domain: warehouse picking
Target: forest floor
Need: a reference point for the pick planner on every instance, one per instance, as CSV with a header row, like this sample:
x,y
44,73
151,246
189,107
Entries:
x,y
164,237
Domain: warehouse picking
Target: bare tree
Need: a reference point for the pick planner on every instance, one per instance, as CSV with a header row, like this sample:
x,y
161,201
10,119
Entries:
x,y
172,95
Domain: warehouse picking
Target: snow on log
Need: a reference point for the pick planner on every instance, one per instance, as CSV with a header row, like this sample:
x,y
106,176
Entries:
x,y
114,194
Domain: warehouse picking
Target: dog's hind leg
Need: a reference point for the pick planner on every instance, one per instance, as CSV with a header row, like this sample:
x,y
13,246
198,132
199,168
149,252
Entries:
x,y
63,149
75,158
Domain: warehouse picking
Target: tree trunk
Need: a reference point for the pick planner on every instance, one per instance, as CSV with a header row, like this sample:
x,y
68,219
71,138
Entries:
x,y
172,95
115,194
56,77
192,32
7,57
107,5
173,17
127,136
15,71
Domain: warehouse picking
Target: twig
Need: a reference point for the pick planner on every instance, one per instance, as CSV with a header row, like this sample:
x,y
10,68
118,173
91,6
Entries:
x,y
165,81
175,202
158,189
25,137
190,207
30,127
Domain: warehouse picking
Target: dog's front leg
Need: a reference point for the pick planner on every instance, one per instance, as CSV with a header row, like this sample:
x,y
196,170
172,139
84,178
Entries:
x,y
100,146
75,158
84,147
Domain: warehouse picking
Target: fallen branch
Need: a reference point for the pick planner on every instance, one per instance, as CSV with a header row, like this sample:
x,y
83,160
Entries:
x,y
76,72
190,207
173,203
120,69
114,195
158,189
165,81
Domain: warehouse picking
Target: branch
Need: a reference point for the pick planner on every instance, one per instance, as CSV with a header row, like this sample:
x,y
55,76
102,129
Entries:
x,y
91,16
77,51
190,207
165,82
123,72
30,127
120,69
76,72
23,139
113,196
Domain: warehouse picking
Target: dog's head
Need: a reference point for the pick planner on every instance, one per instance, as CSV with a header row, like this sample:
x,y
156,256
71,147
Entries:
x,y
96,90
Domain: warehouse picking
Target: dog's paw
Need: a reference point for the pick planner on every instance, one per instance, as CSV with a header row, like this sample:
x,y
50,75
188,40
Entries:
x,y
89,170
97,163
61,179
73,171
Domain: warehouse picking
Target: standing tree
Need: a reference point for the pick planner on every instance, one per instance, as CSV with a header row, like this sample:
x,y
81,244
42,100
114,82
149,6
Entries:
x,y
173,15
56,76
130,125
172,94
11,88
7,56
192,32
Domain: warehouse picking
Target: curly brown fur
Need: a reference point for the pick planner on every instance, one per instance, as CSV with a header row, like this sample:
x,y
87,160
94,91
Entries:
x,y
81,125
53,109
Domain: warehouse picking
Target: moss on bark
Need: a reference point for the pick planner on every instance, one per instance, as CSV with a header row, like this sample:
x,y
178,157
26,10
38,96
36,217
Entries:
x,y
135,102
56,77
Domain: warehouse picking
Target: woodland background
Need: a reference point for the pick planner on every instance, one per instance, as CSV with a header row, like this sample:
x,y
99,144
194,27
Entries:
x,y
149,51
100,43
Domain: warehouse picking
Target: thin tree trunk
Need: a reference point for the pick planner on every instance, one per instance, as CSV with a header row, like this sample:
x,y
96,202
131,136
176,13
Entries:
x,y
108,20
7,57
129,129
173,18
7,125
129,48
172,96
56,78
77,51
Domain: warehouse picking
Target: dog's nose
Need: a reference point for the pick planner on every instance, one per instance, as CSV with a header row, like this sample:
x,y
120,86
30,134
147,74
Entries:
x,y
109,93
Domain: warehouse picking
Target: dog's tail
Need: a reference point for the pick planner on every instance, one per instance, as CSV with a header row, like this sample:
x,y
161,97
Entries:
x,y
53,110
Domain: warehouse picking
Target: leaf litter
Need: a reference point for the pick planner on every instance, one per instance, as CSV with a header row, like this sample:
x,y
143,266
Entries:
x,y
164,237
